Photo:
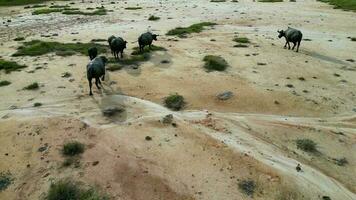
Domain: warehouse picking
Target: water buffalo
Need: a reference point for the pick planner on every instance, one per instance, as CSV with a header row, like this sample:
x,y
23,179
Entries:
x,y
146,39
291,35
92,52
111,38
96,69
117,46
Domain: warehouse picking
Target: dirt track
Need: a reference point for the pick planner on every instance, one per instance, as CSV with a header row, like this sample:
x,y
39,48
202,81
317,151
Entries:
x,y
216,143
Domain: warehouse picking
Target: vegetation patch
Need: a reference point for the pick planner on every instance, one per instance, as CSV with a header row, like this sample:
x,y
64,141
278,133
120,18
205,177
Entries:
x,y
4,83
37,48
101,11
37,104
348,5
195,28
153,18
59,6
136,50
217,1
5,180
114,67
19,2
341,161
240,46
241,40
36,6
19,39
10,66
70,190
99,40
66,10
215,63
73,148
247,187
270,1
174,102
133,8
46,11
306,145
32,86
353,39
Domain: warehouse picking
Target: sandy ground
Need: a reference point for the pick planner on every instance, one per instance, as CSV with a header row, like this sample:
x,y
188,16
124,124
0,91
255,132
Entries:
x,y
215,144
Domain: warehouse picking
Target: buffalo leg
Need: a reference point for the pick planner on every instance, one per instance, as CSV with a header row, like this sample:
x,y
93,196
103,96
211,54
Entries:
x,y
103,78
288,45
97,80
298,46
121,54
285,45
90,84
294,43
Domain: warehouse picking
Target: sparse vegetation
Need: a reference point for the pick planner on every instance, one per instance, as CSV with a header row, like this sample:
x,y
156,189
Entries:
x,y
4,83
37,48
66,10
240,46
348,5
98,40
32,86
195,28
270,1
5,180
19,39
46,11
19,2
174,102
247,187
136,50
37,104
73,148
133,59
114,67
217,1
306,145
241,40
216,63
133,8
35,6
153,18
101,11
341,161
10,66
70,190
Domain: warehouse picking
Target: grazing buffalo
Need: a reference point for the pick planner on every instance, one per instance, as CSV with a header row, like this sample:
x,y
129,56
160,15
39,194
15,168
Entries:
x,y
146,39
96,69
92,52
291,35
117,46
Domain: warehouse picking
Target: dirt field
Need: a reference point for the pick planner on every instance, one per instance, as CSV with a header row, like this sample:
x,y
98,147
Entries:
x,y
213,145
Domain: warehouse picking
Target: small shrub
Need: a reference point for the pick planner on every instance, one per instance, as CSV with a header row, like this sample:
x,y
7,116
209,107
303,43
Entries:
x,y
72,148
216,63
32,86
19,39
4,83
70,190
195,28
241,40
341,161
46,11
37,104
5,180
247,187
174,102
59,6
306,145
10,66
71,161
133,8
240,46
270,1
153,18
66,75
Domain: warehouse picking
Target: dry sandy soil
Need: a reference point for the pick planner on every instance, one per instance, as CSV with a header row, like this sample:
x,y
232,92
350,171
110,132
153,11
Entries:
x,y
214,144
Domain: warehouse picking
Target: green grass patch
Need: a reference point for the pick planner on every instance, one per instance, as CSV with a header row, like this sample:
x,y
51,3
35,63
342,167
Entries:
x,y
195,28
215,63
133,8
348,5
5,180
306,145
37,48
240,46
113,67
32,86
36,6
4,83
270,1
46,11
241,40
70,190
59,6
19,2
136,50
153,18
10,66
174,102
73,148
100,11
217,1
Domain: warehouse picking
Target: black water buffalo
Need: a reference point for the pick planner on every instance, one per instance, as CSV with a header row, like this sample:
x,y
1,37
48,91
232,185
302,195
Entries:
x,y
117,46
291,35
146,39
96,69
111,38
92,52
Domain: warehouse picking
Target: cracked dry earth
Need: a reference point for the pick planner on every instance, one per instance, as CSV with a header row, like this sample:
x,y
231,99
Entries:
x,y
213,145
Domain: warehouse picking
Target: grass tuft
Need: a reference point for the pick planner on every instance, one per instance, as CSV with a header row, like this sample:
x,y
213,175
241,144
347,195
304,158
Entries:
x,y
348,5
70,190
37,48
247,187
4,83
10,66
217,1
133,8
306,145
73,148
216,63
270,1
241,40
19,39
46,11
32,86
5,180
153,18
37,104
195,28
174,102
